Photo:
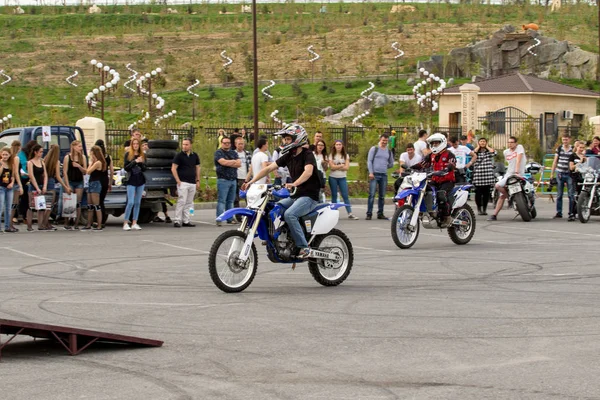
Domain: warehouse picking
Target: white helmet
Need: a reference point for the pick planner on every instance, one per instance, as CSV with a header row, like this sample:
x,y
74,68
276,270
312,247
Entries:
x,y
441,139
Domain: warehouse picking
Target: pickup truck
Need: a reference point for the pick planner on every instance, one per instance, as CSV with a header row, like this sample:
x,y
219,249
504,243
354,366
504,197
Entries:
x,y
159,181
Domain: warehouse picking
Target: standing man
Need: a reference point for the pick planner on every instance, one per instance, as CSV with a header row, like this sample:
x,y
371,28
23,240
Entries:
x,y
244,169
563,176
515,156
318,136
135,134
464,141
227,162
260,160
186,171
421,144
379,160
393,142
461,152
409,158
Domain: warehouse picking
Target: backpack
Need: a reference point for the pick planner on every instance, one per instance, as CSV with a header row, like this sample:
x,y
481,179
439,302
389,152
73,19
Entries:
x,y
390,154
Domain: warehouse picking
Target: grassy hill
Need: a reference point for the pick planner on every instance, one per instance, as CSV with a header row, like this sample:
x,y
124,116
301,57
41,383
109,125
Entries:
x,y
44,46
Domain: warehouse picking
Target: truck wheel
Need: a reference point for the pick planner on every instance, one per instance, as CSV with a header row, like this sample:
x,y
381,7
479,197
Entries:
x,y
161,153
159,162
163,144
145,216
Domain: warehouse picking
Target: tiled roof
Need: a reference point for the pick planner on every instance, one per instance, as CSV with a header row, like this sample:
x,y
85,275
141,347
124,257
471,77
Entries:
x,y
519,83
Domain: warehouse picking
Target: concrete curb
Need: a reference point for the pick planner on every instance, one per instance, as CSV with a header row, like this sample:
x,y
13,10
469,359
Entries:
x,y
354,201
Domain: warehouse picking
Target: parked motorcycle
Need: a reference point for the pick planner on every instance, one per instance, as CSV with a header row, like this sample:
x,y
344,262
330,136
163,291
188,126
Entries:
x,y
412,211
521,192
233,259
588,202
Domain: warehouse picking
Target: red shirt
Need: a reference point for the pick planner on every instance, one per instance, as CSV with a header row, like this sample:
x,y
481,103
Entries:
x,y
440,162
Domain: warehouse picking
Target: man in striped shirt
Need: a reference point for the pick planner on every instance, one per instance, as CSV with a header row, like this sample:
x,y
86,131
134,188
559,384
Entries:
x,y
563,176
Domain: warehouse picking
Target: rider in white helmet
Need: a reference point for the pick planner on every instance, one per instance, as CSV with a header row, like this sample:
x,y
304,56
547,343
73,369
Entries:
x,y
442,160
302,165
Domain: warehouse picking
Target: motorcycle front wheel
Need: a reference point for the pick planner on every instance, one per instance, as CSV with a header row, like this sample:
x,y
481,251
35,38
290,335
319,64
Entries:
x,y
226,270
583,211
330,272
403,237
463,233
522,208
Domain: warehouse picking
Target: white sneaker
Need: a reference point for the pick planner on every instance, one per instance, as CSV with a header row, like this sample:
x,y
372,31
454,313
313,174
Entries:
x,y
136,227
352,216
126,227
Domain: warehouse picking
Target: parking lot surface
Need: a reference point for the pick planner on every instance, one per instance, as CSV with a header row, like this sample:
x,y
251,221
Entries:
x,y
512,315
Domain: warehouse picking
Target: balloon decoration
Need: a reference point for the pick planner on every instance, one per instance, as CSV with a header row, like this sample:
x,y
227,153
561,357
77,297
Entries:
x,y
189,88
131,78
274,116
537,43
71,77
164,117
145,118
228,61
5,121
264,90
8,78
400,52
359,117
144,87
314,54
363,94
109,81
426,93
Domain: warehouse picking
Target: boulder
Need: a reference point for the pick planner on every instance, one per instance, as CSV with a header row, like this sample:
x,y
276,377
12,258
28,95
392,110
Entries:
x,y
172,11
327,111
18,11
246,9
577,57
381,100
410,81
94,10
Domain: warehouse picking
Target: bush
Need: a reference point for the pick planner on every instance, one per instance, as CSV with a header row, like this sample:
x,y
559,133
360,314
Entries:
x,y
330,90
348,85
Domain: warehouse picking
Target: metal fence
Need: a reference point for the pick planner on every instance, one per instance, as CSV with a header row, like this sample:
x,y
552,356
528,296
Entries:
x,y
507,122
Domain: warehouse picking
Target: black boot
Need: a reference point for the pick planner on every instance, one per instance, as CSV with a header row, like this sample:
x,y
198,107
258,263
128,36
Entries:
x,y
484,210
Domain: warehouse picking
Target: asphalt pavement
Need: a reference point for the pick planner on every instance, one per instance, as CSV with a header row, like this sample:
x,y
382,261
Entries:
x,y
512,315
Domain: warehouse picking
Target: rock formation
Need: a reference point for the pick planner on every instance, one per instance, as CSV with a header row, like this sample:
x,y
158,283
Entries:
x,y
507,51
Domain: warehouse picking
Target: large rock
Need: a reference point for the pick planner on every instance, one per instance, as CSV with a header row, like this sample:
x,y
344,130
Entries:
x,y
507,51
327,111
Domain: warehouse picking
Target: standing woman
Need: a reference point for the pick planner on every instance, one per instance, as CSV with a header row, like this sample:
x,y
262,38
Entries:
x,y
53,170
38,183
135,165
7,181
339,163
23,156
577,157
74,167
105,179
483,175
15,148
322,165
96,171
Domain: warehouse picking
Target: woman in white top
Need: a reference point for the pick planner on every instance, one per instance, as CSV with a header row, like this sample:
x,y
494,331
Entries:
x,y
339,163
320,153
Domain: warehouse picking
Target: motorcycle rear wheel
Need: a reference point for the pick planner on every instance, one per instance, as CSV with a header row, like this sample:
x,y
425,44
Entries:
x,y
463,234
225,269
522,208
402,237
583,211
329,272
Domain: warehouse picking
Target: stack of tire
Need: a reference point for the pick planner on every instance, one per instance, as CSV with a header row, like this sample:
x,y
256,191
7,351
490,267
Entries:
x,y
160,153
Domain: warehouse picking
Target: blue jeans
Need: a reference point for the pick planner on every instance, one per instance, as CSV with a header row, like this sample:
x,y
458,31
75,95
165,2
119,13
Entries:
x,y
342,183
134,200
294,209
6,199
381,180
563,178
225,195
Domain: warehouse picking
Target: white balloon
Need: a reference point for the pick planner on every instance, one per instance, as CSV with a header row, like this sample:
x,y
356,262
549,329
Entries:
x,y
424,83
159,70
425,73
159,106
109,85
434,91
437,78
428,79
142,78
93,62
174,111
95,91
153,73
99,65
5,119
147,75
154,95
428,94
422,70
114,82
9,116
106,68
102,88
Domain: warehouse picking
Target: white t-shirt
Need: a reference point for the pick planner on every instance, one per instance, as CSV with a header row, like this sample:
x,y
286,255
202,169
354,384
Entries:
x,y
338,160
460,152
420,145
511,157
257,159
243,170
410,162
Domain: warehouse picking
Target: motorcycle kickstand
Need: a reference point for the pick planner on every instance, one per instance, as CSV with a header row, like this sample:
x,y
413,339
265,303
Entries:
x,y
293,266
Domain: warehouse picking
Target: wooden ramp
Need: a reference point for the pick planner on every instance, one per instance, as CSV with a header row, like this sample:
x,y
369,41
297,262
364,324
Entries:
x,y
74,340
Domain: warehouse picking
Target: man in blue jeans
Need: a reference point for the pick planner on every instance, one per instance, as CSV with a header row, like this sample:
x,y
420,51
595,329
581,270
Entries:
x,y
302,166
561,166
227,162
379,160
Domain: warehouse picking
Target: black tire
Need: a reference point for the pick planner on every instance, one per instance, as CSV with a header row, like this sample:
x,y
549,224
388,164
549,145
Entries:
x,y
249,268
522,208
583,211
459,234
405,212
161,153
145,216
533,212
340,268
163,144
158,162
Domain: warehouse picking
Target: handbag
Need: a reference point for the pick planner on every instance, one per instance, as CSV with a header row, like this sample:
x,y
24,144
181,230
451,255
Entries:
x,y
69,205
39,202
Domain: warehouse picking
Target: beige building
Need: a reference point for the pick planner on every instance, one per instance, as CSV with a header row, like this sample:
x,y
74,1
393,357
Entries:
x,y
506,103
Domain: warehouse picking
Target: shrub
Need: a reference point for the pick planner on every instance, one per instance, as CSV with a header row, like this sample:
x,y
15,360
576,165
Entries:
x,y
348,85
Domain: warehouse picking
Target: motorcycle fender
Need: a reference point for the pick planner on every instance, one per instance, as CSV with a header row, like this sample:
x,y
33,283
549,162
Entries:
x,y
327,219
235,211
405,193
460,199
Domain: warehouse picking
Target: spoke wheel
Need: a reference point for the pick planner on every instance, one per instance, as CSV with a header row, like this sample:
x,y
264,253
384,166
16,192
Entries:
x,y
227,271
332,272
403,236
462,234
583,211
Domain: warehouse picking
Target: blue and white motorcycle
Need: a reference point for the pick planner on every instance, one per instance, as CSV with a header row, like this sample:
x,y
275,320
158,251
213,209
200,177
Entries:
x,y
412,211
233,259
